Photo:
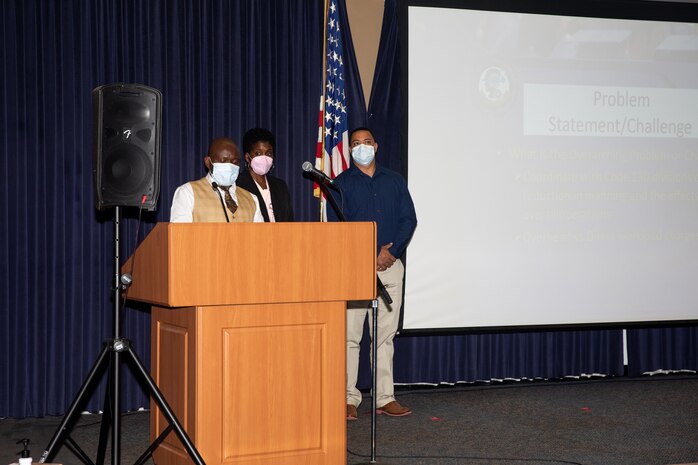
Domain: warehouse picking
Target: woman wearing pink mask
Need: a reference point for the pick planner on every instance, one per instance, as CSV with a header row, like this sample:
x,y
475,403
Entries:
x,y
274,198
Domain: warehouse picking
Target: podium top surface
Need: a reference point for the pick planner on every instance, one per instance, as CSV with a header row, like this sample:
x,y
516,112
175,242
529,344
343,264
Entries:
x,y
203,264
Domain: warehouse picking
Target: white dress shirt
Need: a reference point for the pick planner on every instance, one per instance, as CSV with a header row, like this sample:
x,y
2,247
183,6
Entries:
x,y
183,203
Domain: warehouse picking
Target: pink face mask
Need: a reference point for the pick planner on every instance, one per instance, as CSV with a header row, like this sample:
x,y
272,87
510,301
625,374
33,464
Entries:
x,y
261,164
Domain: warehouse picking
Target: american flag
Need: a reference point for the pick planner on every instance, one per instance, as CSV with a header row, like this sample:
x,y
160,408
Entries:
x,y
332,156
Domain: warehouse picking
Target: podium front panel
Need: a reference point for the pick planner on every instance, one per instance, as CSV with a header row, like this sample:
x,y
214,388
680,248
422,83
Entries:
x,y
268,383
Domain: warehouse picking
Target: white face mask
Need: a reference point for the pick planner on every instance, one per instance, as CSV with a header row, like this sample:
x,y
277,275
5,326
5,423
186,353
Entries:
x,y
225,174
363,154
261,164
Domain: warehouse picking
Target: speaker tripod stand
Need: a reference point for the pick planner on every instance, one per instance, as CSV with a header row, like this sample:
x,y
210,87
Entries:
x,y
111,357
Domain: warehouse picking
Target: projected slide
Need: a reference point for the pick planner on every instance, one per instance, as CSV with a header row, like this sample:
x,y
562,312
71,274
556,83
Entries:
x,y
553,162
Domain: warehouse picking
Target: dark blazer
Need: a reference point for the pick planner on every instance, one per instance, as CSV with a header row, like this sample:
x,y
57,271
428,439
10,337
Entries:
x,y
280,196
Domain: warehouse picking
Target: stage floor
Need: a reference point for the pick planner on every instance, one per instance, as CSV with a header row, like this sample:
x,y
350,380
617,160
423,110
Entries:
x,y
616,421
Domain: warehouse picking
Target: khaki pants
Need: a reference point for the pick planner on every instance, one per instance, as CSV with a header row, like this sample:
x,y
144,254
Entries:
x,y
357,311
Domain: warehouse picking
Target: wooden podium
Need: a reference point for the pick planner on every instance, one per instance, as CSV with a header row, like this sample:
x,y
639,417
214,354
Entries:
x,y
248,335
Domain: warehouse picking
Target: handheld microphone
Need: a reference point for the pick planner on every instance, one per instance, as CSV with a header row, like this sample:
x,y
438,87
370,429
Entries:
x,y
214,185
316,173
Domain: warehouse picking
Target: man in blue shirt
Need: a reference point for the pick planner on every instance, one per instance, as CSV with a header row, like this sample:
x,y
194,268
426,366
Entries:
x,y
374,193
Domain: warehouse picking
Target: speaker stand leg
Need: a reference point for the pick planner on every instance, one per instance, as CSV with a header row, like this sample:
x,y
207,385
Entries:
x,y
112,408
79,400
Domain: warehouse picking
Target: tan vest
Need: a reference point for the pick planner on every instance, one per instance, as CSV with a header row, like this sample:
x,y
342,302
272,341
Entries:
x,y
208,208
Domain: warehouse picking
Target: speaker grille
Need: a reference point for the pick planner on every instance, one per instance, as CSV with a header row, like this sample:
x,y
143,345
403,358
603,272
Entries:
x,y
127,169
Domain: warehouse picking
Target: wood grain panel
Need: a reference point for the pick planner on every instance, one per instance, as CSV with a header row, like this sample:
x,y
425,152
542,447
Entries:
x,y
148,265
300,262
274,384
267,423
173,367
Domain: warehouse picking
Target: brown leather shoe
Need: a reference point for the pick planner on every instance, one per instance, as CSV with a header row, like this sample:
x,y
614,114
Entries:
x,y
352,413
393,409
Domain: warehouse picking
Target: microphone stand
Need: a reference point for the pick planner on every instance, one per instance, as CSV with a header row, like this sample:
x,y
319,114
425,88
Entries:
x,y
374,343
214,184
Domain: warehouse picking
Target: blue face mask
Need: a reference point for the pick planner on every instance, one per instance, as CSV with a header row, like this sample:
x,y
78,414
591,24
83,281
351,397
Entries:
x,y
363,154
225,174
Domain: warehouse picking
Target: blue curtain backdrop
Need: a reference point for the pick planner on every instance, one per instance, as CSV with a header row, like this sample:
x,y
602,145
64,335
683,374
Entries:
x,y
222,67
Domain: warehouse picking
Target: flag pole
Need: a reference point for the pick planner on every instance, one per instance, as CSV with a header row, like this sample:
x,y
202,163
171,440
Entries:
x,y
321,137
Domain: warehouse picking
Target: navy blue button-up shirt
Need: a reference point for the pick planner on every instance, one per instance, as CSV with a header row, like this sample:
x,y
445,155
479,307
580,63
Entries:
x,y
383,198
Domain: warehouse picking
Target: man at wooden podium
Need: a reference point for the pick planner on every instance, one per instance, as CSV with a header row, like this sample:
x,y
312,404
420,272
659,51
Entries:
x,y
215,198
374,193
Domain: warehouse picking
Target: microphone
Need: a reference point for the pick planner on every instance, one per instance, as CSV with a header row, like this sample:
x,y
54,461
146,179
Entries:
x,y
214,185
316,173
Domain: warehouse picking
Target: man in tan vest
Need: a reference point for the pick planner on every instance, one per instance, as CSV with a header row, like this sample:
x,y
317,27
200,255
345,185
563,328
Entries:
x,y
215,198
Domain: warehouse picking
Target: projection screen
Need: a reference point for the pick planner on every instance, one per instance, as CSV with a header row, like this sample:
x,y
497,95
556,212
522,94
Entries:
x,y
553,162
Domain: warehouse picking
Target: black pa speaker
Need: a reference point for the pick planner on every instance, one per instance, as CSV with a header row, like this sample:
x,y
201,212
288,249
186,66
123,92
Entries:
x,y
126,132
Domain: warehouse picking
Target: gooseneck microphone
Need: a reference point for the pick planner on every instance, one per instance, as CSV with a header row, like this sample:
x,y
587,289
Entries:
x,y
316,173
214,184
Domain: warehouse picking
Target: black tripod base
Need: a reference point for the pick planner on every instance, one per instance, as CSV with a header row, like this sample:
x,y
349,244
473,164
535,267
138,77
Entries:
x,y
111,420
